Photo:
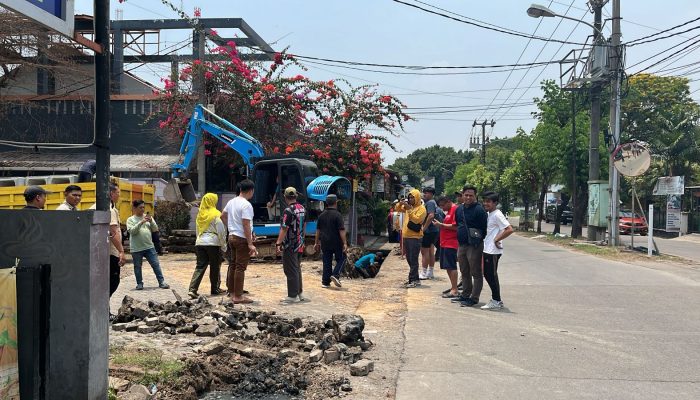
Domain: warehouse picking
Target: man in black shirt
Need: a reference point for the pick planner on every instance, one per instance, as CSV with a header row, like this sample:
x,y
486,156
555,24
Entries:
x,y
35,196
471,230
330,239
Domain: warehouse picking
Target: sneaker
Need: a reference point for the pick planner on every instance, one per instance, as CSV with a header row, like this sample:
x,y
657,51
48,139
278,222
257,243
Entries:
x,y
164,285
468,303
412,284
323,285
423,274
290,300
139,286
429,274
493,305
193,295
336,281
459,299
303,298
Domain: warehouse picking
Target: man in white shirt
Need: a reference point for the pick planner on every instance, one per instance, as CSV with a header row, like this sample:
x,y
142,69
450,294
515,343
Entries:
x,y
73,194
497,229
238,216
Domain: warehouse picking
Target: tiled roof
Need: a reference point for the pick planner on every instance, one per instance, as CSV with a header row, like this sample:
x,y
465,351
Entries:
x,y
24,161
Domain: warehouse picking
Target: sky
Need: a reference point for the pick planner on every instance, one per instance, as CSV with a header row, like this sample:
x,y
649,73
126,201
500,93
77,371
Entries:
x,y
389,32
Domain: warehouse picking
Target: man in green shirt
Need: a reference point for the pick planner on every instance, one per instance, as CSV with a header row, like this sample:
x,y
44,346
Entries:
x,y
140,227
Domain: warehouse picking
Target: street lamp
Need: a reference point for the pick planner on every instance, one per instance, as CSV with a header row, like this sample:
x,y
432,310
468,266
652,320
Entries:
x,y
537,11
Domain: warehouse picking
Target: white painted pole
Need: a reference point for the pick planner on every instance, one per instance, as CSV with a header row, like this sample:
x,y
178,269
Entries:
x,y
650,236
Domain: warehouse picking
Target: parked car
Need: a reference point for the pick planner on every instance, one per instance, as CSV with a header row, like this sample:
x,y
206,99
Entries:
x,y
550,214
627,220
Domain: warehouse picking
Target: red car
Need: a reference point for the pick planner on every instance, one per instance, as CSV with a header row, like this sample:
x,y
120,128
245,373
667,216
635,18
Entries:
x,y
627,220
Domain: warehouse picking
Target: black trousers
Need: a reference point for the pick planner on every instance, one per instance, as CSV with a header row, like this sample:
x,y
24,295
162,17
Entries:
x,y
207,256
114,271
491,274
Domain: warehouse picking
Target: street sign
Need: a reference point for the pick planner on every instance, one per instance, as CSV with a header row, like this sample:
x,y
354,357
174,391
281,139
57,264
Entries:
x,y
666,185
56,15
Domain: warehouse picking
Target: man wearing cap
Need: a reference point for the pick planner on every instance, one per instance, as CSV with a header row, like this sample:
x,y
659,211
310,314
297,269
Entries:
x,y
330,239
72,194
290,243
35,196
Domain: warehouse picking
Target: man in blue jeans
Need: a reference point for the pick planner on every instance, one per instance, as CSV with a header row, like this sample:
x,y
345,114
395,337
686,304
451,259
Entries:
x,y
330,239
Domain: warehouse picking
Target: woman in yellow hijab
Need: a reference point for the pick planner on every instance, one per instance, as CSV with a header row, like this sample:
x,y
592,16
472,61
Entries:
x,y
210,245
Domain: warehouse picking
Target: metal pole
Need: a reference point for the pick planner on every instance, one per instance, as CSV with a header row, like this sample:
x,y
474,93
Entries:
x,y
650,236
574,171
594,141
102,112
614,176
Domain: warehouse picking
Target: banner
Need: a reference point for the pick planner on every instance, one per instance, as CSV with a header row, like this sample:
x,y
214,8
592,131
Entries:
x,y
669,185
9,372
673,213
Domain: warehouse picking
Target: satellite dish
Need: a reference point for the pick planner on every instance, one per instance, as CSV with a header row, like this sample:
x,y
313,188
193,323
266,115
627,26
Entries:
x,y
632,159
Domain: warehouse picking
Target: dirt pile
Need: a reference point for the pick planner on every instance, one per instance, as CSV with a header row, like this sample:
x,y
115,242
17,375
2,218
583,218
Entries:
x,y
252,352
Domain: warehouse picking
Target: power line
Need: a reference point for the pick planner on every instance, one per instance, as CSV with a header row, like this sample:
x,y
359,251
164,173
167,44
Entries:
x,y
543,69
418,73
662,52
481,25
464,106
643,40
539,22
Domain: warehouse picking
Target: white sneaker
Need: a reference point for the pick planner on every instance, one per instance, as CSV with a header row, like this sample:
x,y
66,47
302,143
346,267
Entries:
x,y
429,274
493,305
290,300
423,274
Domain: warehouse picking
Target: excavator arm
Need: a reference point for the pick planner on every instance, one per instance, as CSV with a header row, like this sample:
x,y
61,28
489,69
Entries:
x,y
242,143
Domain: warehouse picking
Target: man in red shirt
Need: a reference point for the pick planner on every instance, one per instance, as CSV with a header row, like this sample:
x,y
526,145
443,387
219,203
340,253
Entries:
x,y
448,244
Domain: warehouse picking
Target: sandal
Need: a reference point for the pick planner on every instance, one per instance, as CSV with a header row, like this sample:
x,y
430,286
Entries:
x,y
244,300
449,295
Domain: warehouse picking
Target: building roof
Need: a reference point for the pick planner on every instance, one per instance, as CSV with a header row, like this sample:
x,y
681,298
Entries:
x,y
25,161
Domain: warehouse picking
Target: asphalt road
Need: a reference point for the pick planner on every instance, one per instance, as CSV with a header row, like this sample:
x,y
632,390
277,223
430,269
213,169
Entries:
x,y
575,327
686,246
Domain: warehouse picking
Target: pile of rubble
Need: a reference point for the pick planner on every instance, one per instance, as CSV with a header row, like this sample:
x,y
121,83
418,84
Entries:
x,y
253,352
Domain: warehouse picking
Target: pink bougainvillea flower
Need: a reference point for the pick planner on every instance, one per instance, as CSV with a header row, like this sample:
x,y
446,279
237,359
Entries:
x,y
197,12
197,62
208,75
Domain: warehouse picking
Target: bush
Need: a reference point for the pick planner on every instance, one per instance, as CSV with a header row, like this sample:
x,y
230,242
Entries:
x,y
380,212
171,215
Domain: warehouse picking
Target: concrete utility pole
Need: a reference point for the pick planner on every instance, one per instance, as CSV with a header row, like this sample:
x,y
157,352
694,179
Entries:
x,y
483,137
614,176
594,232
199,49
102,112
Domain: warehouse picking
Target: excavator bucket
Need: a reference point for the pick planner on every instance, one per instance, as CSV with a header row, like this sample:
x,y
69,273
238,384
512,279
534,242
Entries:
x,y
179,190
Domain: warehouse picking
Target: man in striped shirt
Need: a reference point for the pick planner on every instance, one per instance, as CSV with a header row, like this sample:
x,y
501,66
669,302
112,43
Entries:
x,y
290,243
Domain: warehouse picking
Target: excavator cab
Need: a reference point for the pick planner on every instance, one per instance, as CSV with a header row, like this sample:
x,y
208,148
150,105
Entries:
x,y
274,174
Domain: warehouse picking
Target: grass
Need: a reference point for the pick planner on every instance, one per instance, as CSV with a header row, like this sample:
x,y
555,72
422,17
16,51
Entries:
x,y
156,368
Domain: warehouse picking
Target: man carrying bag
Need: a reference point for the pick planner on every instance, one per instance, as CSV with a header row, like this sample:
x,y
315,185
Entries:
x,y
471,228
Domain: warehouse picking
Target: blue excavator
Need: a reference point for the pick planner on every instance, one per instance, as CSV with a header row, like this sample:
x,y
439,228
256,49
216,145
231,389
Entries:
x,y
271,174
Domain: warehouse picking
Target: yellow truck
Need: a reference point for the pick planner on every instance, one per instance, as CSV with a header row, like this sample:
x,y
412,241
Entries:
x,y
12,197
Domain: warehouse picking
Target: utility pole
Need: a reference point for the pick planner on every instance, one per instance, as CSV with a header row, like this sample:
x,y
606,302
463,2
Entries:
x,y
199,48
483,137
594,138
614,177
102,112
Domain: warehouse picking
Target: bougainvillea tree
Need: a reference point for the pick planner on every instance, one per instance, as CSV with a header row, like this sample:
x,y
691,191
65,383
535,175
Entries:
x,y
327,121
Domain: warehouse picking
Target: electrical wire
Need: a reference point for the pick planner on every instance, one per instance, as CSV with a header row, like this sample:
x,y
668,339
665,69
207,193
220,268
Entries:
x,y
481,25
416,73
643,40
665,58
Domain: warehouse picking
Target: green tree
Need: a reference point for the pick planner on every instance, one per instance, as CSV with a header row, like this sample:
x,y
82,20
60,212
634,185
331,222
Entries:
x,y
658,110
436,161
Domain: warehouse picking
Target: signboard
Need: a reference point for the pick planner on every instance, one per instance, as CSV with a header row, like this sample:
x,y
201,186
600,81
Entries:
x,y
598,203
9,368
669,185
673,213
378,183
53,14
